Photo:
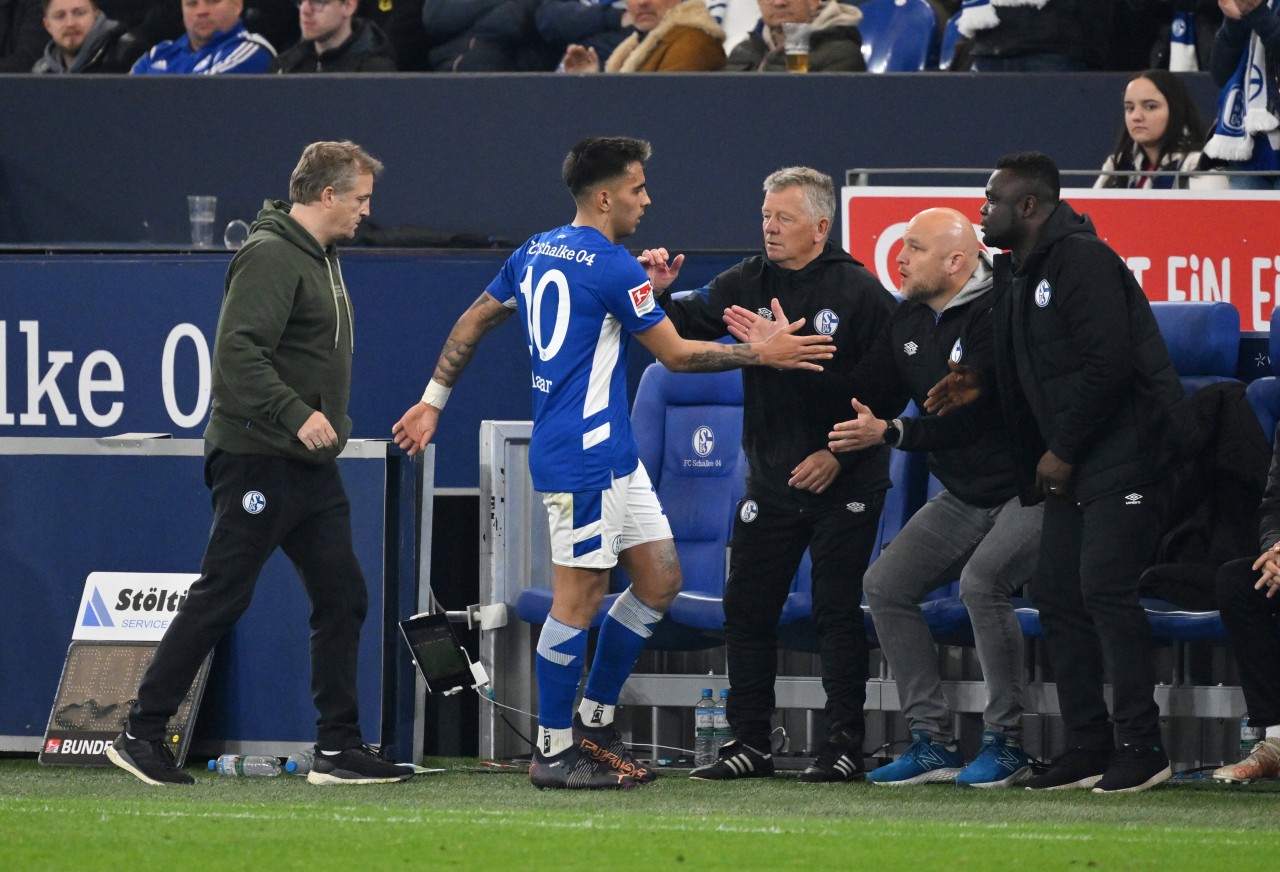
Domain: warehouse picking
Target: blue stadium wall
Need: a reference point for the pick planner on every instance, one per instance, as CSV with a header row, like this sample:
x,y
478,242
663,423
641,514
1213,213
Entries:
x,y
100,159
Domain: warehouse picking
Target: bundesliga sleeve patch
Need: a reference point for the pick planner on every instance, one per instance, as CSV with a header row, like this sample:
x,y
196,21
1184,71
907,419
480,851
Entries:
x,y
642,299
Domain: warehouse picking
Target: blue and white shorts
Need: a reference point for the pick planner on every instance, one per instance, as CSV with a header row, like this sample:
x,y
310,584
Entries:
x,y
590,529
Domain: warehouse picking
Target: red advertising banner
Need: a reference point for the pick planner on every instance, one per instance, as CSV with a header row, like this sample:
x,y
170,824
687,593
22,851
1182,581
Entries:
x,y
1181,245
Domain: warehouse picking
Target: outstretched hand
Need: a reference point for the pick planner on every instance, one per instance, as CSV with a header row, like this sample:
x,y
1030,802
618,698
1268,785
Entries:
x,y
580,59
960,387
785,350
661,268
416,427
748,326
862,432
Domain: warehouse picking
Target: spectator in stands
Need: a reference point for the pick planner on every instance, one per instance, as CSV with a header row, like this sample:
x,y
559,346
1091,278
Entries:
x,y
1028,36
216,42
281,388
671,36
1162,133
595,26
601,507
976,526
401,21
835,46
22,36
336,40
475,36
1245,134
1249,607
82,39
799,494
1093,405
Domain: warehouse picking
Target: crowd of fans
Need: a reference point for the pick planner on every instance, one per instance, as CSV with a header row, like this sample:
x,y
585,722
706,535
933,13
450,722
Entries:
x,y
60,36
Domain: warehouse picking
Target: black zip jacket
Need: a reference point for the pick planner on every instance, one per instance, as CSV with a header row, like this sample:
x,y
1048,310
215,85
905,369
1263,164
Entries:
x,y
1076,338
910,356
787,415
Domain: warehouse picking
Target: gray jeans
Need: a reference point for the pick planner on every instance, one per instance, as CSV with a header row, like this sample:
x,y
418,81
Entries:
x,y
994,550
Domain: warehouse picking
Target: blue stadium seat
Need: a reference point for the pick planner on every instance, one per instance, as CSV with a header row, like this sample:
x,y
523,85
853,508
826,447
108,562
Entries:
x,y
899,36
1203,341
950,39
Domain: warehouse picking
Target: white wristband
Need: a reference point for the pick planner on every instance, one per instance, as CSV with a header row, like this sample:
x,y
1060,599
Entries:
x,y
436,394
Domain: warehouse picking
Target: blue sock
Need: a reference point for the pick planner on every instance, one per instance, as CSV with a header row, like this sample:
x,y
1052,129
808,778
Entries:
x,y
561,650
622,636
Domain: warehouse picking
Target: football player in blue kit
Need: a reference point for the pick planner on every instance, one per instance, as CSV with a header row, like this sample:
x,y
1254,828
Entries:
x,y
581,296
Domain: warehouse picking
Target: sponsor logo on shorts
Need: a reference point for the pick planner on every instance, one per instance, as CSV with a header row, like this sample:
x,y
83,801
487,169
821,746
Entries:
x,y
254,502
617,544
748,511
856,507
910,348
1133,499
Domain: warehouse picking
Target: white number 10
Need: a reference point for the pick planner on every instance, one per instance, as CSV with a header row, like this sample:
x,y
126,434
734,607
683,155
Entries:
x,y
533,307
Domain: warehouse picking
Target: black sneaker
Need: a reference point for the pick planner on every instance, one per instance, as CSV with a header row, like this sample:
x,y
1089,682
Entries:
x,y
1078,768
604,745
1135,768
571,769
840,759
737,760
152,762
358,765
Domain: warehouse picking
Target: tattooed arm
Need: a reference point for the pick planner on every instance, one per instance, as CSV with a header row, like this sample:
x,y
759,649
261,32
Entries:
x,y
782,350
417,425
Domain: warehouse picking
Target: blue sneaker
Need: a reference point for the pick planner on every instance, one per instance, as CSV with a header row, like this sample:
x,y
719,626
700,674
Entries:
x,y
925,762
998,764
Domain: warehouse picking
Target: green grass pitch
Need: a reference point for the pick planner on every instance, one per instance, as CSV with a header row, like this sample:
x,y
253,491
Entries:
x,y
102,819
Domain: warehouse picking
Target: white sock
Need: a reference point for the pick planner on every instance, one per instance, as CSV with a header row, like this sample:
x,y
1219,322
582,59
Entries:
x,y
552,742
595,714
1273,732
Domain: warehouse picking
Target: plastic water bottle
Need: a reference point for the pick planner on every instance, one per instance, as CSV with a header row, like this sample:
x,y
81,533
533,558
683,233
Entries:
x,y
704,730
722,732
300,762
1249,736
238,765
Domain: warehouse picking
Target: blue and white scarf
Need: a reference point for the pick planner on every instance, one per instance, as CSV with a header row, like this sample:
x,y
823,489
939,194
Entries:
x,y
1247,109
978,15
1182,43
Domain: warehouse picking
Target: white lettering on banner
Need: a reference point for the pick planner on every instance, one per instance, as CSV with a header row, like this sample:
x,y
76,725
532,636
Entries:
x,y
1259,295
89,386
1204,285
177,334
6,417
1138,266
37,386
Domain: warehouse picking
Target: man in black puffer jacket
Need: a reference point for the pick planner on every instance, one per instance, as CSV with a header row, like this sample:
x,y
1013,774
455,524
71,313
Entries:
x,y
1090,397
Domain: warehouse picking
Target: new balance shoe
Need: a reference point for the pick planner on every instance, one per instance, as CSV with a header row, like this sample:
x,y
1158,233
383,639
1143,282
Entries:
x,y
1264,762
839,759
604,745
924,762
998,764
1135,768
736,760
571,769
1078,768
359,765
152,762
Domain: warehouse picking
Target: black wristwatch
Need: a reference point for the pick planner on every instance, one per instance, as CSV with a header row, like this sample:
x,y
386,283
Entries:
x,y
892,433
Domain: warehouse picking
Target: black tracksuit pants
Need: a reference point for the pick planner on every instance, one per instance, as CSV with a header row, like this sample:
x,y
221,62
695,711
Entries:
x,y
766,553
261,503
1086,588
1250,619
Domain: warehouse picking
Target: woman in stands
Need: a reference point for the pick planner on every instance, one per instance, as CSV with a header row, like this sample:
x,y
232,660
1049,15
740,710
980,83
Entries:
x,y
1162,132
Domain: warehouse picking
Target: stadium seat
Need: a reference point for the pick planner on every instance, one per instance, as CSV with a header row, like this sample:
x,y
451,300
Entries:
x,y
1203,341
899,36
950,39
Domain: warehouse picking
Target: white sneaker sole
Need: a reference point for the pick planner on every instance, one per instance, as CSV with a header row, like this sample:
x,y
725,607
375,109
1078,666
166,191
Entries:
x,y
314,777
1082,784
1016,778
933,776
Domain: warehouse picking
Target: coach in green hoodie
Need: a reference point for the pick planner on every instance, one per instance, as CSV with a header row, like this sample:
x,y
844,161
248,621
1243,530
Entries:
x,y
281,381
